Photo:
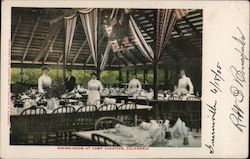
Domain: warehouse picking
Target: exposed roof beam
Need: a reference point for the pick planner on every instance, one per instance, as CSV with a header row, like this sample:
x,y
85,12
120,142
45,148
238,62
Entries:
x,y
31,38
88,59
120,60
60,58
193,27
55,65
137,57
79,51
185,39
127,57
51,45
47,42
16,29
55,20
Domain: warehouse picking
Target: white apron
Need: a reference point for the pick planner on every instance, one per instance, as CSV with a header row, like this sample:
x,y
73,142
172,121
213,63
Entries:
x,y
182,86
94,87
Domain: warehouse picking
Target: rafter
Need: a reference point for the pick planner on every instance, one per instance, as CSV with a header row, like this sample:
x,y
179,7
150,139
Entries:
x,y
128,57
120,60
79,51
16,29
51,45
137,57
185,39
198,33
31,38
88,59
47,42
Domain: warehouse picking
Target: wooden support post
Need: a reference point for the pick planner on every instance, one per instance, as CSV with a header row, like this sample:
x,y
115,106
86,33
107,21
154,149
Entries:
x,y
144,74
155,79
99,31
120,75
127,75
135,67
155,61
64,55
21,75
166,78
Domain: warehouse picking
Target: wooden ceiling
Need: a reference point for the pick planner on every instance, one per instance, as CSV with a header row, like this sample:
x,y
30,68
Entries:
x,y
37,37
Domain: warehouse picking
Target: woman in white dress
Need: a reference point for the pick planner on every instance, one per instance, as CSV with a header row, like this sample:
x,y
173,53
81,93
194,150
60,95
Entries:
x,y
183,82
134,85
95,88
44,81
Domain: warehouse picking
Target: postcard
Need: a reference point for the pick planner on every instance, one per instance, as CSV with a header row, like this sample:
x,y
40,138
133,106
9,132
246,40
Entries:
x,y
124,79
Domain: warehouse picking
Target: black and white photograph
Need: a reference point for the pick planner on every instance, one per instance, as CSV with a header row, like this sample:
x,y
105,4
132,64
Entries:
x,y
106,77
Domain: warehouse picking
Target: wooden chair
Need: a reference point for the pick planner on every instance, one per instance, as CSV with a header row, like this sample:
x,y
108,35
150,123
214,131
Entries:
x,y
176,108
64,109
194,112
100,140
171,98
128,117
128,106
63,123
32,133
107,123
33,110
87,108
108,107
86,117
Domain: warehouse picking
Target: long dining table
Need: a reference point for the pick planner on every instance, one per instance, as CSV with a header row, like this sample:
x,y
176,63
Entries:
x,y
141,138
70,121
172,109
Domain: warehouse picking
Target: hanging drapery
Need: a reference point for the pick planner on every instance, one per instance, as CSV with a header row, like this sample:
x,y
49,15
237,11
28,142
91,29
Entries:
x,y
86,10
139,40
166,19
89,22
70,24
105,56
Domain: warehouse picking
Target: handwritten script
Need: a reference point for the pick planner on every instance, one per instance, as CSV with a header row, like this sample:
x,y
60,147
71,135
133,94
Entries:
x,y
238,74
215,88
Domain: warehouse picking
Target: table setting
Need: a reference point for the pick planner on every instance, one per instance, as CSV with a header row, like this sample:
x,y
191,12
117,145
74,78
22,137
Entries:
x,y
155,133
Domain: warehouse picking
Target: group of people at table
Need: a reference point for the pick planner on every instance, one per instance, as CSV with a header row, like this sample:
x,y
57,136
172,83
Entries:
x,y
95,86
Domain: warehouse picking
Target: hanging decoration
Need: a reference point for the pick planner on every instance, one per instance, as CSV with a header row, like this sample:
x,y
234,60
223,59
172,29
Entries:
x,y
166,20
141,43
70,24
89,22
117,30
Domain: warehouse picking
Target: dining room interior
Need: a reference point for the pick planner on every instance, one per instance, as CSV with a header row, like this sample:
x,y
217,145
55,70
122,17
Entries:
x,y
127,77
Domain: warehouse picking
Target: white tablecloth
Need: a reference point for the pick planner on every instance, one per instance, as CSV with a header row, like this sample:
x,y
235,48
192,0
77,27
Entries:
x,y
140,138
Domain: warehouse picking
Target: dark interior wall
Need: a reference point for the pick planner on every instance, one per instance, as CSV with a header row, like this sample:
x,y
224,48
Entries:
x,y
193,68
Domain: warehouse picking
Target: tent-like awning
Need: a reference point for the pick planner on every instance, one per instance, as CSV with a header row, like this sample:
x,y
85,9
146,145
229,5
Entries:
x,y
38,37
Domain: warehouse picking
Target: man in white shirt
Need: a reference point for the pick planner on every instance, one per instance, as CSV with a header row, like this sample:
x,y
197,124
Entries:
x,y
44,81
134,85
183,82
